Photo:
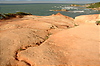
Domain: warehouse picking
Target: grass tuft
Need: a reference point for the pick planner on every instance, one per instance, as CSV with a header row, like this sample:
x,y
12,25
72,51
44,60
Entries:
x,y
97,22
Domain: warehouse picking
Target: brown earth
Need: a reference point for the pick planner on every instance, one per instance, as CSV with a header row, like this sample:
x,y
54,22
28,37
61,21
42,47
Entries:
x,y
49,40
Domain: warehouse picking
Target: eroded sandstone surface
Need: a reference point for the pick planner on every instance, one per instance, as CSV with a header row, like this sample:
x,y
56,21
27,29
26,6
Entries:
x,y
87,18
49,40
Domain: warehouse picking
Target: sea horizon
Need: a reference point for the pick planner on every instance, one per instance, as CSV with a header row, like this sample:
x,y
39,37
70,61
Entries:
x,y
76,2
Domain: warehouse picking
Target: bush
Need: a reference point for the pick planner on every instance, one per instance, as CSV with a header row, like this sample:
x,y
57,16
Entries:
x,y
9,15
12,15
2,16
23,13
97,22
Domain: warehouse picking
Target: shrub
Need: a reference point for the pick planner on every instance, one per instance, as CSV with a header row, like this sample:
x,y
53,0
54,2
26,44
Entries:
x,y
12,15
46,37
23,13
2,16
9,15
97,22
75,24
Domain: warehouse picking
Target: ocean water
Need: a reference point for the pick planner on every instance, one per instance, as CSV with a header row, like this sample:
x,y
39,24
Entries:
x,y
45,9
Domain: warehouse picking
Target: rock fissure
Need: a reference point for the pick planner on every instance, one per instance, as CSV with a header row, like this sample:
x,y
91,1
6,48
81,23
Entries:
x,y
45,41
26,63
25,48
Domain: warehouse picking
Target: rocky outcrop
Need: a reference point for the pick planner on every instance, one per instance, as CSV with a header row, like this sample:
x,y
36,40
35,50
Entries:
x,y
87,18
14,40
19,34
47,40
73,47
60,15
75,5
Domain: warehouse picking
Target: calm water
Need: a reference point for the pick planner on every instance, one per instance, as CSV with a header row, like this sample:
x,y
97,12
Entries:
x,y
45,9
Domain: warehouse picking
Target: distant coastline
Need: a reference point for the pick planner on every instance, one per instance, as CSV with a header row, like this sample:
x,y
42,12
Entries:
x,y
93,6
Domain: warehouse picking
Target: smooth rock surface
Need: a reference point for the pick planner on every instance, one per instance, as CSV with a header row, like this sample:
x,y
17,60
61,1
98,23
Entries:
x,y
50,40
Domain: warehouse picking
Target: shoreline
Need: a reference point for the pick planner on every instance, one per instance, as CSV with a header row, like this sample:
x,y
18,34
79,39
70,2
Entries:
x,y
93,6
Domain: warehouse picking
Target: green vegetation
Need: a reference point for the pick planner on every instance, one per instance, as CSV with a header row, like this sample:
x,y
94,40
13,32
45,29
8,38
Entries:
x,y
46,37
9,15
20,49
97,22
12,15
1,16
76,25
49,34
23,13
94,5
